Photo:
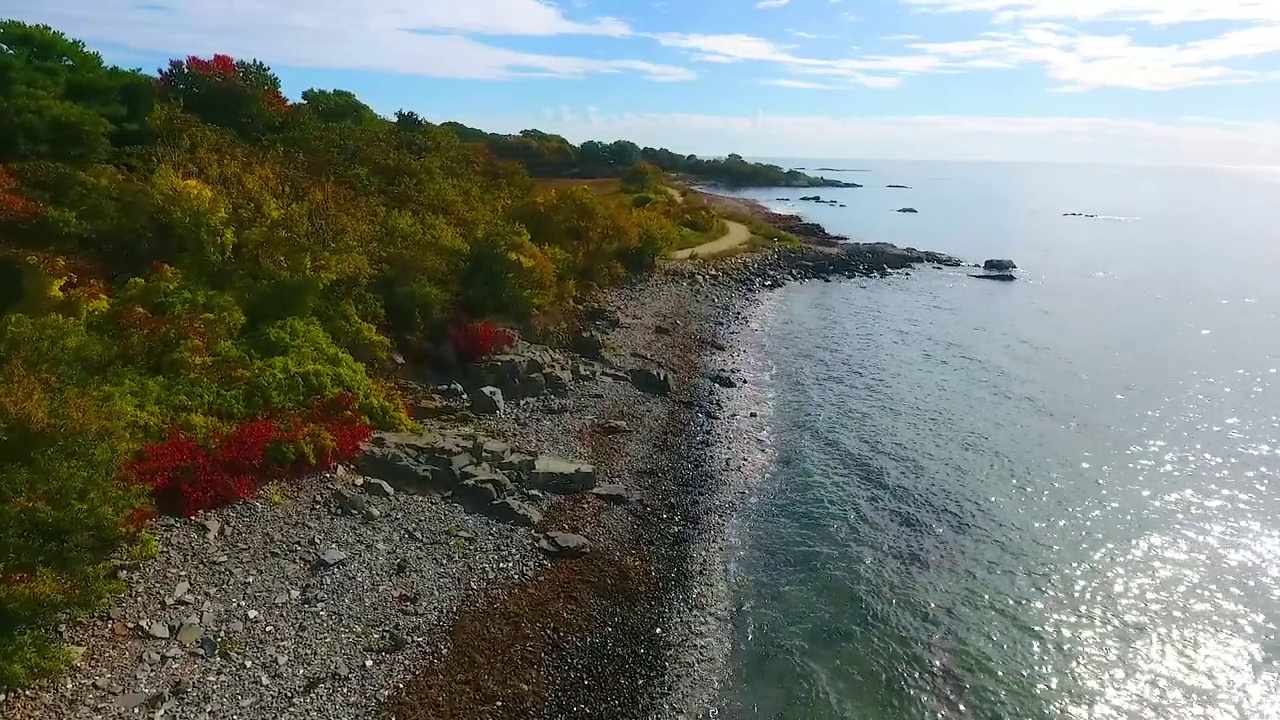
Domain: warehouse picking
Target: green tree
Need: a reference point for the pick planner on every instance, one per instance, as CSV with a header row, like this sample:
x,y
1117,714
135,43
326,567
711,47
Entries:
x,y
59,102
337,106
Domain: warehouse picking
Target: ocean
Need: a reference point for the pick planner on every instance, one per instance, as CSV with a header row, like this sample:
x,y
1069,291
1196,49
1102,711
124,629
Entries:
x,y
1053,498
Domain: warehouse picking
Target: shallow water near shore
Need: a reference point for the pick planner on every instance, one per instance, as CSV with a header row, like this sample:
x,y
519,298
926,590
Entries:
x,y
1055,498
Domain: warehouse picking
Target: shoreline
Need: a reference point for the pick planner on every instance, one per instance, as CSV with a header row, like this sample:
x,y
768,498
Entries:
x,y
435,611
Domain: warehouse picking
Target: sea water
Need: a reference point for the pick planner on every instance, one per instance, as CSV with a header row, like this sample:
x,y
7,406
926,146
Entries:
x,y
1052,498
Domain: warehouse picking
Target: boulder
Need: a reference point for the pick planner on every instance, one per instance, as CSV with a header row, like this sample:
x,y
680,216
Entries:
x,y
493,451
563,544
515,511
557,378
589,345
999,265
558,475
405,461
653,382
487,401
517,463
348,502
614,494
534,385
723,380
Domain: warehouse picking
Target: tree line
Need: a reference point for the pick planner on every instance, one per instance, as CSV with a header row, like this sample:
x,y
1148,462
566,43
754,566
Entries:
x,y
547,155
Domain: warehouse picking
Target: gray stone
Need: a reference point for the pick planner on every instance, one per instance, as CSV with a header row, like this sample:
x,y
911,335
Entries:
x,y
189,633
614,494
558,475
372,513
459,463
614,427
558,379
212,528
330,558
151,657
589,345
379,488
487,401
131,701
517,462
183,588
653,382
723,380
494,451
534,385
159,631
562,544
405,461
348,502
999,265
515,511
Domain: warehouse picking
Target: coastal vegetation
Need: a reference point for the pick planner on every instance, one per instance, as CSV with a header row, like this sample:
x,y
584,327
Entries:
x,y
206,282
547,155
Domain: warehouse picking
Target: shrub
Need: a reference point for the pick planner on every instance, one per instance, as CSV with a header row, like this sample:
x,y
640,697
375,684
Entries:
x,y
187,475
479,340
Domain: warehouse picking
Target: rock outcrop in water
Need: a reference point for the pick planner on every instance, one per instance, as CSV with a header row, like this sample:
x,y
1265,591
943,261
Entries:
x,y
1003,277
999,265
909,210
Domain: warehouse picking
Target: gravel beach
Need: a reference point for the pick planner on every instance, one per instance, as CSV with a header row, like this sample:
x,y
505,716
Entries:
x,y
346,598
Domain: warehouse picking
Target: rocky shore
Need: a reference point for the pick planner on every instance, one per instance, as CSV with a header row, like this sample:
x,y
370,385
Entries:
x,y
543,549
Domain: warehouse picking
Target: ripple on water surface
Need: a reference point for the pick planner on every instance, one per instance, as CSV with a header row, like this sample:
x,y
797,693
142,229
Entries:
x,y
960,519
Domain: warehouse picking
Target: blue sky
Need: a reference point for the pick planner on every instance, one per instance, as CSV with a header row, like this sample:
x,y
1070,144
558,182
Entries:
x,y
1147,81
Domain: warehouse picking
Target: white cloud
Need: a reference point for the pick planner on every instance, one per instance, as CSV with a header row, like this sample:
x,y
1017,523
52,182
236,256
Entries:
x,y
1083,62
900,38
409,36
748,48
764,4
1189,141
1156,12
1031,33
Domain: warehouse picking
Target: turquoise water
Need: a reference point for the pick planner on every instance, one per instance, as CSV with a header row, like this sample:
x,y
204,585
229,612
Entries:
x,y
1055,498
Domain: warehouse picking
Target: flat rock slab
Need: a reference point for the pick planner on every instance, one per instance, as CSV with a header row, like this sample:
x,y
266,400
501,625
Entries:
x,y
614,494
563,544
558,475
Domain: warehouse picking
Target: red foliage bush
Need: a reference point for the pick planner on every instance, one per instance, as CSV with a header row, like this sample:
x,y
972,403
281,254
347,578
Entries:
x,y
13,205
188,476
478,340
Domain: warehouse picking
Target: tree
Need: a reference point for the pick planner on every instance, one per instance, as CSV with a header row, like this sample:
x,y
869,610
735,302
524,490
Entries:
x,y
642,177
237,95
337,106
58,101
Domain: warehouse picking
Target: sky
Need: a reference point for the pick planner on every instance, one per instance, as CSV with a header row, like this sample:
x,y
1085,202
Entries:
x,y
1186,82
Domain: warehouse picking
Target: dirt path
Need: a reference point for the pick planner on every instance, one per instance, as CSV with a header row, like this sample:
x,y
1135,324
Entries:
x,y
737,234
